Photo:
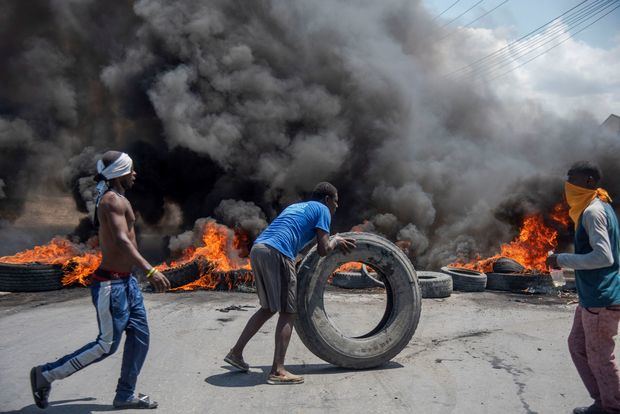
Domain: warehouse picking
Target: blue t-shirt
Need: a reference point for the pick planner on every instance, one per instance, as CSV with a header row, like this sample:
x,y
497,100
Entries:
x,y
295,227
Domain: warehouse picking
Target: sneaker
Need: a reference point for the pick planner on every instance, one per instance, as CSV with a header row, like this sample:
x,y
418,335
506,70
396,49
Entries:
x,y
40,387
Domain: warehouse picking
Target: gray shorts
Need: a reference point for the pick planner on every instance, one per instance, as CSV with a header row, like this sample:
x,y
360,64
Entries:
x,y
276,279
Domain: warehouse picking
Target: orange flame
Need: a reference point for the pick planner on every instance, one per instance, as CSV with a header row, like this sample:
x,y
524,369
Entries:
x,y
57,251
530,247
219,246
559,214
350,267
77,261
78,269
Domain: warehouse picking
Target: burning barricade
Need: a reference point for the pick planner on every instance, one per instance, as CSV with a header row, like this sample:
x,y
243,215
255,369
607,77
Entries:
x,y
213,256
52,266
520,265
212,262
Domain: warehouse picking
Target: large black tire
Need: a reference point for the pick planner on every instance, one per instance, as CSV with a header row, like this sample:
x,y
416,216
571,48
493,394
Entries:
x,y
519,282
435,284
466,280
31,277
184,274
507,265
398,323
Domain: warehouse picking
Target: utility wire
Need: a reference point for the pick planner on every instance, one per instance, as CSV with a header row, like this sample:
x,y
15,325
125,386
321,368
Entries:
x,y
538,42
476,19
482,59
461,15
487,13
554,46
542,42
534,38
441,14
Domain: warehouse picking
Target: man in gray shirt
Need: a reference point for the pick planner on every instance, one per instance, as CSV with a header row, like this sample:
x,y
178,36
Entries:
x,y
597,246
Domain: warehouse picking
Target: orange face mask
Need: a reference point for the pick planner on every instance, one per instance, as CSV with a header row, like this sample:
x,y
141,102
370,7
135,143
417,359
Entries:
x,y
579,198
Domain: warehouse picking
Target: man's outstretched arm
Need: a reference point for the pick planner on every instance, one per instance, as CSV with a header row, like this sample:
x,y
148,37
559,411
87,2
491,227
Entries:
x,y
325,245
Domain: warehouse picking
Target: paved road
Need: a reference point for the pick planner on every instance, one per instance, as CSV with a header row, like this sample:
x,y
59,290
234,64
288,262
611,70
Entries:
x,y
472,353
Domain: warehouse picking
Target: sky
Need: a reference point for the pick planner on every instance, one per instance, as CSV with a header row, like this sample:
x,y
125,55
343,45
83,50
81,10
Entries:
x,y
580,75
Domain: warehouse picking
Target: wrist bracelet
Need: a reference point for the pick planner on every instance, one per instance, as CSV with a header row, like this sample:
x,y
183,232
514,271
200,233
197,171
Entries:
x,y
150,272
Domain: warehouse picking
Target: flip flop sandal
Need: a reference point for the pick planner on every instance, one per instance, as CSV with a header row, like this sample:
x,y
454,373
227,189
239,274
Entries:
x,y
140,402
39,393
240,364
277,380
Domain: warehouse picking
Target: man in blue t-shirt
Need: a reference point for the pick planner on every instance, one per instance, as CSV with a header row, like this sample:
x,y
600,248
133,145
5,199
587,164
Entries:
x,y
273,263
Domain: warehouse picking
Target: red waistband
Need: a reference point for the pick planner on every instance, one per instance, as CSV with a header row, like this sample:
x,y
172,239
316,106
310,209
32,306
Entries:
x,y
103,275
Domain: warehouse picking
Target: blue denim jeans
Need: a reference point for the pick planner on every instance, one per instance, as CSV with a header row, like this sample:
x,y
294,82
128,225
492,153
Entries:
x,y
120,307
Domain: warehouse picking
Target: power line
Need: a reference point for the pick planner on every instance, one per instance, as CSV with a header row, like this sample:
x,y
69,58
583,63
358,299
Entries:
x,y
538,42
487,13
441,14
476,19
516,41
461,15
554,46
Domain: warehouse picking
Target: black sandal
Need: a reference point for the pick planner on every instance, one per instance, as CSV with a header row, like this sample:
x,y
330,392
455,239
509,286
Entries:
x,y
238,363
40,392
140,402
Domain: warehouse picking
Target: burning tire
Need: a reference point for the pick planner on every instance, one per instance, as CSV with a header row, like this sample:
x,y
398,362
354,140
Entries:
x,y
519,282
398,323
435,284
187,273
356,280
507,265
466,280
30,277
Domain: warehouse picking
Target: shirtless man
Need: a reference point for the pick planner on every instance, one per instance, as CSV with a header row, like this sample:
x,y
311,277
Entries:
x,y
115,292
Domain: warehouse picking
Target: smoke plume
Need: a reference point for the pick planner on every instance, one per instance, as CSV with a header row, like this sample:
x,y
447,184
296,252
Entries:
x,y
235,109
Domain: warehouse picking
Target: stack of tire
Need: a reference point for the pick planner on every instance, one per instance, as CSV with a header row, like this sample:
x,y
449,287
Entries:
x,y
30,277
466,280
510,276
507,275
37,277
432,284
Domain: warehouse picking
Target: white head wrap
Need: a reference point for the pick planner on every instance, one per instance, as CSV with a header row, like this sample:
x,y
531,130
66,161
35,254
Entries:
x,y
120,167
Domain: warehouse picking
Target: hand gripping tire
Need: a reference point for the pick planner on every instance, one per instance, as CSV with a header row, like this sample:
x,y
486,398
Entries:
x,y
435,284
466,280
30,277
398,323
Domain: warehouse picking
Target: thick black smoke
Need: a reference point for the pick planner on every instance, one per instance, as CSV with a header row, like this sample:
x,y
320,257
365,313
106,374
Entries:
x,y
258,101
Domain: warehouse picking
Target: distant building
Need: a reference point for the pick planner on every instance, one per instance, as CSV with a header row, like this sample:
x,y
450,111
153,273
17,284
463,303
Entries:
x,y
612,124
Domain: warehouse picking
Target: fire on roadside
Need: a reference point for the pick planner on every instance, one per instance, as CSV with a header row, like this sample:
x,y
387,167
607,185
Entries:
x,y
78,261
220,245
530,247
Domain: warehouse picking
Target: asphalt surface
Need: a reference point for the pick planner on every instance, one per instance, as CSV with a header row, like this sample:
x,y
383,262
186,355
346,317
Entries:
x,y
472,353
